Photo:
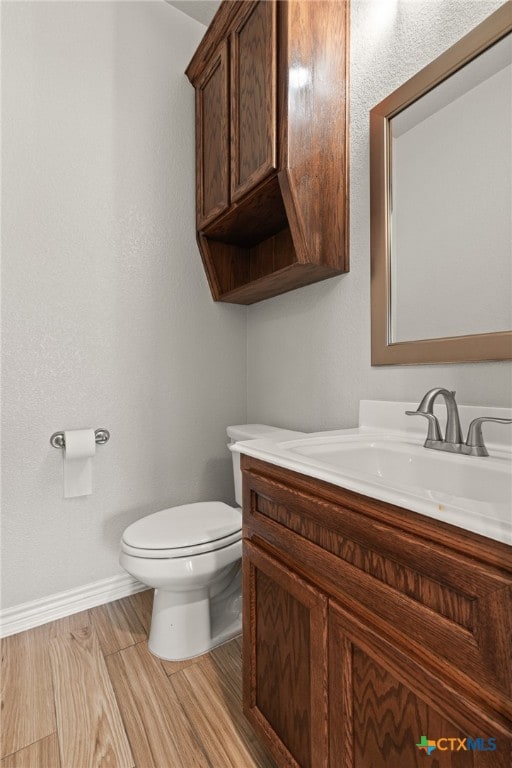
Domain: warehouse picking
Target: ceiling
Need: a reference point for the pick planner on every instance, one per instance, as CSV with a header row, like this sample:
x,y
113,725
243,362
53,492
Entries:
x,y
201,10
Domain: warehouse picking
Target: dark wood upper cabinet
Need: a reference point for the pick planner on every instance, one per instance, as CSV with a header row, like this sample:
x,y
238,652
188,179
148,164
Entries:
x,y
253,98
272,167
212,138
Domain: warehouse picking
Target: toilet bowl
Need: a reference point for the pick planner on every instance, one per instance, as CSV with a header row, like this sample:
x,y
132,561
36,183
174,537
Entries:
x,y
191,555
189,561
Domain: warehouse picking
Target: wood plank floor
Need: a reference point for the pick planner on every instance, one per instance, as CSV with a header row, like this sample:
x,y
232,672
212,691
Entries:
x,y
85,692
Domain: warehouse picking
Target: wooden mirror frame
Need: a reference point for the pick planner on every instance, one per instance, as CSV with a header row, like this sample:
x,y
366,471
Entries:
x,y
454,349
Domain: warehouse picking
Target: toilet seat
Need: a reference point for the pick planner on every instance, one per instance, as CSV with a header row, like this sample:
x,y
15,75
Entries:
x,y
189,529
177,552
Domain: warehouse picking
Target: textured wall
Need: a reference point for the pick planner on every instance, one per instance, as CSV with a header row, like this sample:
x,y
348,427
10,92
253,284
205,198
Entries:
x,y
309,350
108,319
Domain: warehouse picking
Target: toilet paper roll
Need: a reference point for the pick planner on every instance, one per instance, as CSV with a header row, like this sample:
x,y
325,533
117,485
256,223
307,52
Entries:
x,y
78,452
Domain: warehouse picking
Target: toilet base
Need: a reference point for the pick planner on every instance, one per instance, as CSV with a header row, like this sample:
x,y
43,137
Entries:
x,y
188,624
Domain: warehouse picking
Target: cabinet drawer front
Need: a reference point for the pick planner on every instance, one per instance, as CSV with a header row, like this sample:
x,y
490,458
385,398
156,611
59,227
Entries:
x,y
434,598
285,660
212,139
253,97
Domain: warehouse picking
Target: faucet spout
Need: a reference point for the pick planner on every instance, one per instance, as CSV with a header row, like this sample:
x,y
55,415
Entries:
x,y
474,445
453,434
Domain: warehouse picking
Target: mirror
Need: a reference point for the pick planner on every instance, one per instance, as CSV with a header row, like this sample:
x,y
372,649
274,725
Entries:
x,y
441,206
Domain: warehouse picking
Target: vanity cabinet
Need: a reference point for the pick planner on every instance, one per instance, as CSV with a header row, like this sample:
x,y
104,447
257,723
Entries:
x,y
368,627
271,146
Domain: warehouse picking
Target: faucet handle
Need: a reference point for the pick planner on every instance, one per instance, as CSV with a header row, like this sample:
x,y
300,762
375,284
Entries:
x,y
434,431
475,439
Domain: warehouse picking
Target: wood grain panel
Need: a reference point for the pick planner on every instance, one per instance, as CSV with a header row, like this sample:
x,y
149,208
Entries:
x,y
227,266
89,725
212,136
377,715
117,625
285,651
28,713
478,595
482,663
287,167
283,680
41,754
257,217
446,601
272,255
156,725
244,270
315,132
476,656
253,97
276,283
220,28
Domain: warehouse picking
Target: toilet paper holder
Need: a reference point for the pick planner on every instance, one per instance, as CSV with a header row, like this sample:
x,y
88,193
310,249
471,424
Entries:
x,y
101,436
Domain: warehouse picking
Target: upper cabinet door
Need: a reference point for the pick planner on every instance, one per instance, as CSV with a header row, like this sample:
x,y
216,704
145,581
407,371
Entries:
x,y
253,100
212,138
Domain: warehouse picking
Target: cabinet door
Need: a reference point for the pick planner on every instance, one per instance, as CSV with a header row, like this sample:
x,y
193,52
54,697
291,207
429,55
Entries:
x,y
384,709
285,661
253,97
212,138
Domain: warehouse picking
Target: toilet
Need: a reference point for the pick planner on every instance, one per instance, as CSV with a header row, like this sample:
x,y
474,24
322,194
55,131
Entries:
x,y
192,556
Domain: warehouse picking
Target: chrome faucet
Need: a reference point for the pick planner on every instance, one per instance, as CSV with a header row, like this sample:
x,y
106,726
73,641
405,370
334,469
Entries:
x,y
452,442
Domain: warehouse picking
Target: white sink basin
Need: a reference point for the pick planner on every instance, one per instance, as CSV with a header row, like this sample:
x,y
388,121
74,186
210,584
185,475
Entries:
x,y
471,492
399,463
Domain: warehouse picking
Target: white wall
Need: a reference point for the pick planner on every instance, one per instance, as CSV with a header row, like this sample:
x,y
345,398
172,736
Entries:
x,y
108,320
309,350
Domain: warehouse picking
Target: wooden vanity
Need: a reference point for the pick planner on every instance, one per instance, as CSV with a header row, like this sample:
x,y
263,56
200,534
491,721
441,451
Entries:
x,y
367,626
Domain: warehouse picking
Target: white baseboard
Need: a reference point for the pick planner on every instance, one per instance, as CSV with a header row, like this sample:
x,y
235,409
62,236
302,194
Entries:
x,y
37,612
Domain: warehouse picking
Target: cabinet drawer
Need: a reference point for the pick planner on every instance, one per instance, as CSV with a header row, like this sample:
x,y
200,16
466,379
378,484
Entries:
x,y
437,601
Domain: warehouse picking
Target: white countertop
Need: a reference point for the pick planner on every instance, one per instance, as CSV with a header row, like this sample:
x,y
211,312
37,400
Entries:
x,y
486,509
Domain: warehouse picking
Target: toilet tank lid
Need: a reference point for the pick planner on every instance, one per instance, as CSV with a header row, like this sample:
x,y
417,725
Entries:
x,y
253,431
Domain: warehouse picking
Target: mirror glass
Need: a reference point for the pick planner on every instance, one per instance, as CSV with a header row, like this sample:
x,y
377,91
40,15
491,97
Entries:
x,y
450,204
441,206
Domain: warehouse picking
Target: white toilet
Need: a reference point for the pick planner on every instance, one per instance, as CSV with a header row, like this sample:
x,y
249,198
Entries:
x,y
191,555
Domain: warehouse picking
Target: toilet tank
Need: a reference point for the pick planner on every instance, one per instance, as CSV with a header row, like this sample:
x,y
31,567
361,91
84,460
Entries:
x,y
240,432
